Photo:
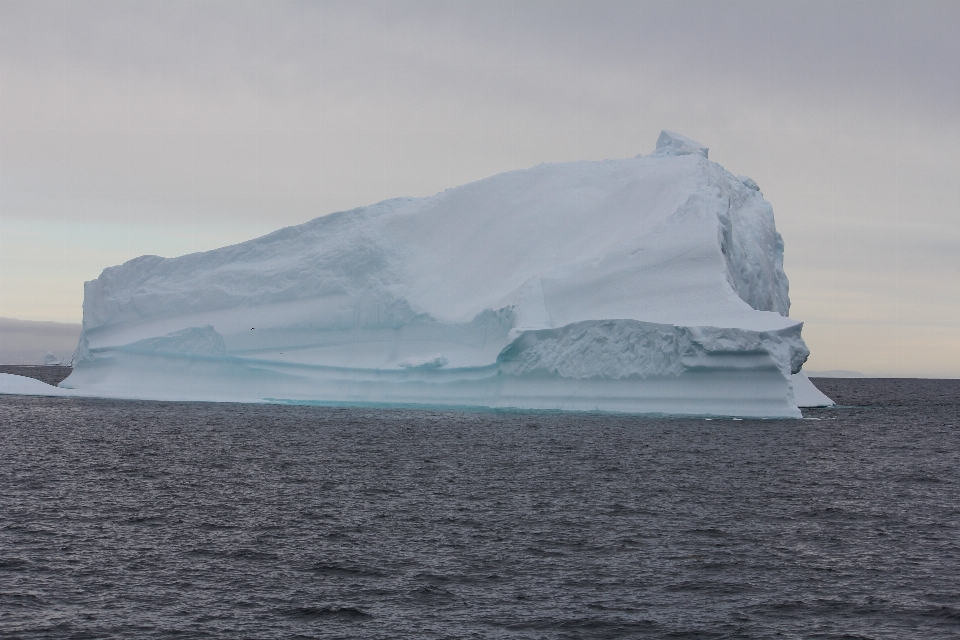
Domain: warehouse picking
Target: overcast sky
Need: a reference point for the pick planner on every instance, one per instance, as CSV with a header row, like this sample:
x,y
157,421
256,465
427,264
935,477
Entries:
x,y
131,128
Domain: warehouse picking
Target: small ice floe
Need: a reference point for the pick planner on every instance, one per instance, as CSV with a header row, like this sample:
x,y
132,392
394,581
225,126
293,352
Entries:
x,y
433,362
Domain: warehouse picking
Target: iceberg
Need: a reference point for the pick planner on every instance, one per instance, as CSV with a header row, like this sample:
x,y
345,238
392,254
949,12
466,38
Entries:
x,y
12,384
652,284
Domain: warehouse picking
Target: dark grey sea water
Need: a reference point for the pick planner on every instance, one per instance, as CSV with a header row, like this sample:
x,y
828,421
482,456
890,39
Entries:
x,y
148,519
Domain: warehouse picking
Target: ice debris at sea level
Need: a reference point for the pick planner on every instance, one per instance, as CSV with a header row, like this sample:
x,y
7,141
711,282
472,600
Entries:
x,y
652,284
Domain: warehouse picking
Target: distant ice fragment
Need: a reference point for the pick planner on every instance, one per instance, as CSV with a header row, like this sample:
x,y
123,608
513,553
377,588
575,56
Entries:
x,y
50,359
834,373
674,144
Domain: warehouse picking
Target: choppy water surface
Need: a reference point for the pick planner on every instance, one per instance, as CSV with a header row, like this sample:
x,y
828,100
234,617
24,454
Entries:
x,y
146,519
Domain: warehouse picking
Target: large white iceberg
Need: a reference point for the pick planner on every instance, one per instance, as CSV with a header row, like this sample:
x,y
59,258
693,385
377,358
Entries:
x,y
653,284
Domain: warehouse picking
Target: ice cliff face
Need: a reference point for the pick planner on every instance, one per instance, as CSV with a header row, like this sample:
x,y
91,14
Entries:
x,y
663,273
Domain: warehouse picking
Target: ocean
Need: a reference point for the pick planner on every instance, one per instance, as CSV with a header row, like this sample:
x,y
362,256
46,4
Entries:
x,y
125,519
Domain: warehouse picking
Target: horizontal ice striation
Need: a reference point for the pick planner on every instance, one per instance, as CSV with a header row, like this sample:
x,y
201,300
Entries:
x,y
650,284
197,341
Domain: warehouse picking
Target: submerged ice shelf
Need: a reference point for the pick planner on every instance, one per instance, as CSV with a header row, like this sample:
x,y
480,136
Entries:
x,y
653,284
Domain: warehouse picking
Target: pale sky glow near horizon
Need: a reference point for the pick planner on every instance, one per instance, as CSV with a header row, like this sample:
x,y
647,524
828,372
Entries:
x,y
172,127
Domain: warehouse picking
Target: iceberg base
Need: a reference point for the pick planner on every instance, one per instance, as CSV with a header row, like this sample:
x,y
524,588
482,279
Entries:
x,y
759,391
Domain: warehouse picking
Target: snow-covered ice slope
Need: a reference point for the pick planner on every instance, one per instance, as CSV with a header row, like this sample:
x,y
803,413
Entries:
x,y
651,284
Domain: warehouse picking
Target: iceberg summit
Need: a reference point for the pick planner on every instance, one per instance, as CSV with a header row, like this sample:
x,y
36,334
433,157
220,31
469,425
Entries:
x,y
647,285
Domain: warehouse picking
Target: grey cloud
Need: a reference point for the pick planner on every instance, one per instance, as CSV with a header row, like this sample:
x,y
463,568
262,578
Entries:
x,y
871,46
229,104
